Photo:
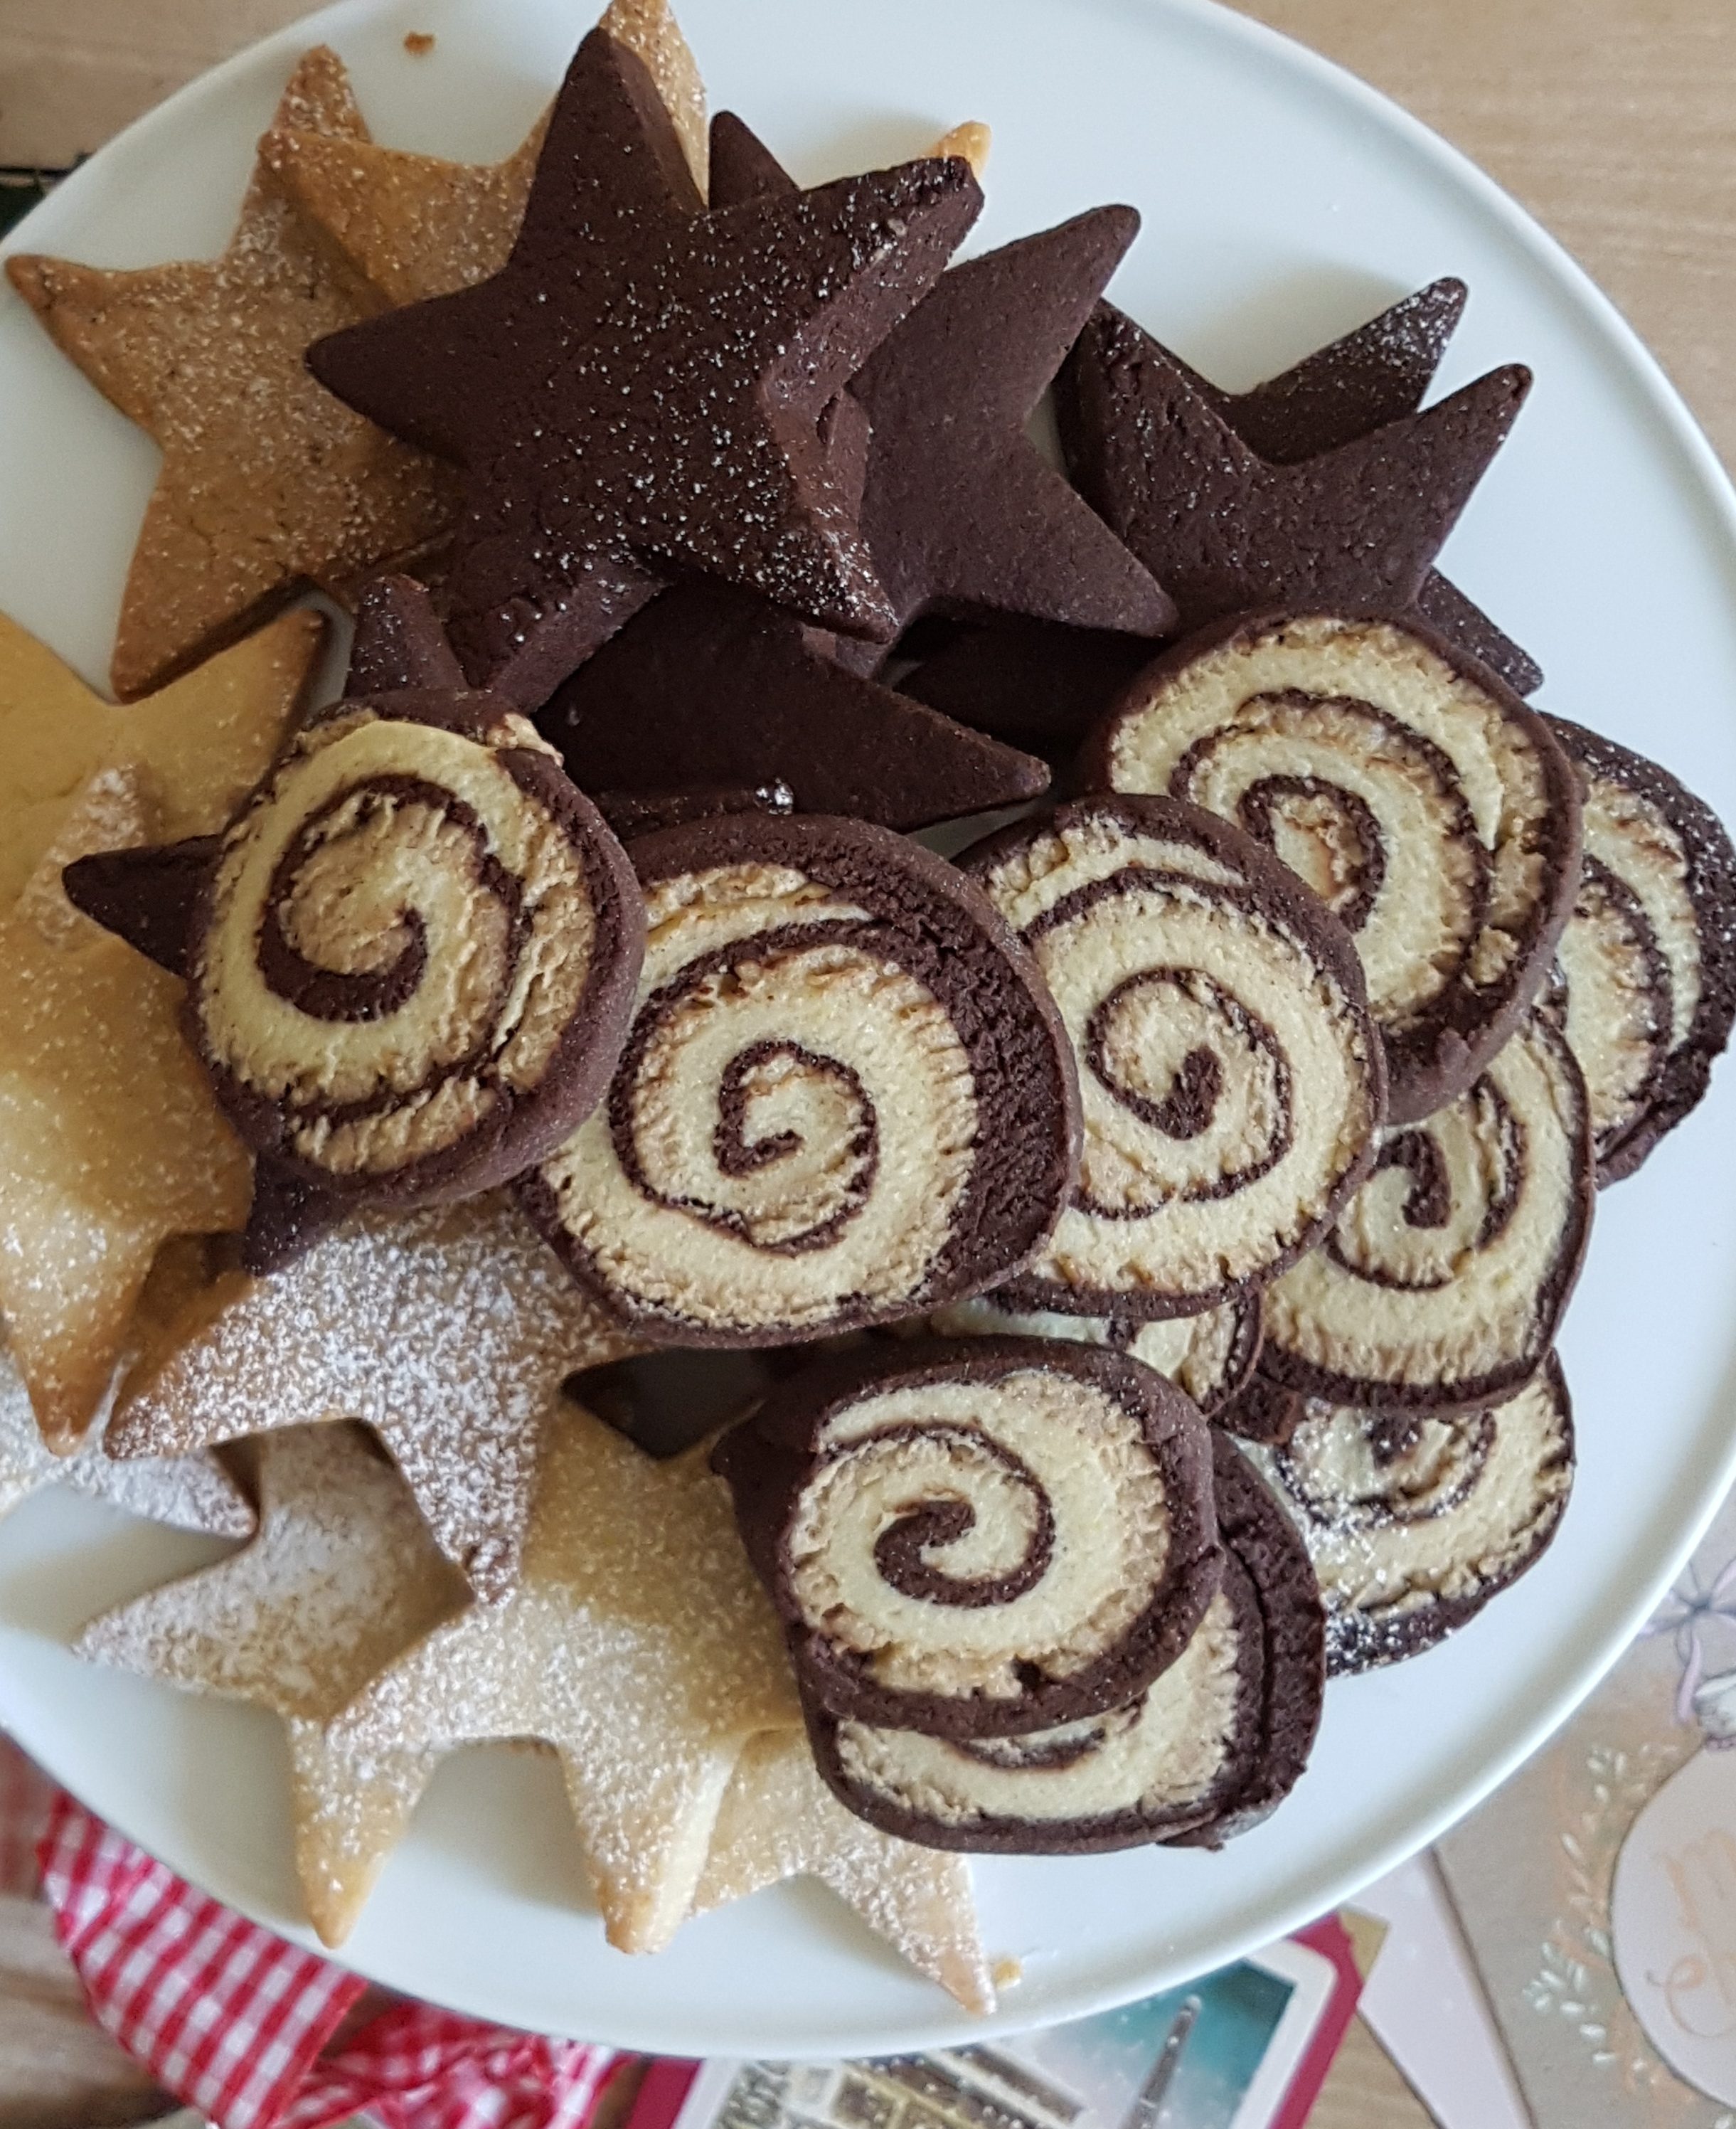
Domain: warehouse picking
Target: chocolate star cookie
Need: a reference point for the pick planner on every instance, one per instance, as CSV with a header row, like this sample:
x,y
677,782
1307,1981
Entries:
x,y
636,393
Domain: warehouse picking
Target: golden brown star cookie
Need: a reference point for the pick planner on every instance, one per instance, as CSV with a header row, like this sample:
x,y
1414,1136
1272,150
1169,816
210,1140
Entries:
x,y
415,226
109,1138
638,1644
268,483
202,742
342,1578
450,1331
190,1492
779,1819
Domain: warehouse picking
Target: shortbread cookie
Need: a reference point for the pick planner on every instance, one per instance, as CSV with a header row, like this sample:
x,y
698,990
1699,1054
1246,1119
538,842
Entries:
x,y
110,1140
1209,1750
196,1492
1210,1355
1650,954
639,1645
1223,529
845,1096
977,1537
722,688
779,1820
1230,1076
268,482
342,1578
412,970
414,225
637,392
449,1331
1415,1519
1418,796
1442,1285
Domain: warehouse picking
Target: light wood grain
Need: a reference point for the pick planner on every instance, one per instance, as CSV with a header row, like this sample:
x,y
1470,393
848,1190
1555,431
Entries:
x,y
56,2067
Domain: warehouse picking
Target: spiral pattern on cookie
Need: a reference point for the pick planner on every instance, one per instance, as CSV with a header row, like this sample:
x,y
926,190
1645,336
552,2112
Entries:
x,y
1206,1750
413,961
1414,1521
1443,1283
977,1537
1230,1077
843,1096
1209,1356
1650,954
1420,798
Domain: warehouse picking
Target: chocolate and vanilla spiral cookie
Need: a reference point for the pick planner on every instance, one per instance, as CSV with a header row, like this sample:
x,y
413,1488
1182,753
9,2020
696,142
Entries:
x,y
844,1096
410,966
1414,1521
1207,1750
1422,800
1230,1075
1210,1355
1649,955
977,1537
1443,1283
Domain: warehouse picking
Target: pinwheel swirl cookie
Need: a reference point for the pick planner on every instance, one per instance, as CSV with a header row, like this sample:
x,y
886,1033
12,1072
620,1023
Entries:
x,y
1649,955
1414,1521
1443,1281
845,1095
1230,1076
1429,808
1208,1750
977,1537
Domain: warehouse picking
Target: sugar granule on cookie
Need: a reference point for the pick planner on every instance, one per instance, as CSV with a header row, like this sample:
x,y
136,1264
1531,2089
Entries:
x,y
110,1140
779,1820
1648,956
1230,1074
637,1645
342,1578
448,1330
977,1537
637,390
844,1097
268,483
416,225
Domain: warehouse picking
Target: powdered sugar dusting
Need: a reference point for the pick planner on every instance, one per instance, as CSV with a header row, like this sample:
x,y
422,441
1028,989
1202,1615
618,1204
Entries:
x,y
449,1331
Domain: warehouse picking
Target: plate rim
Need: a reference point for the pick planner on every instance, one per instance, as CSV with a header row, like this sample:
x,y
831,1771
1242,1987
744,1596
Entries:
x,y
1716,1468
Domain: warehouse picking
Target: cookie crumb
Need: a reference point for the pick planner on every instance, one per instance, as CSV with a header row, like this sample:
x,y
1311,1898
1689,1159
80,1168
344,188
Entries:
x,y
1007,1972
419,41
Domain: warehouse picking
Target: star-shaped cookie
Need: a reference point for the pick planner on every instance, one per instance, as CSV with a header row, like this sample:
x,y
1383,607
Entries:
x,y
268,483
342,1578
109,1138
189,1493
638,1644
416,225
1357,525
779,1819
448,1330
714,687
637,391
202,742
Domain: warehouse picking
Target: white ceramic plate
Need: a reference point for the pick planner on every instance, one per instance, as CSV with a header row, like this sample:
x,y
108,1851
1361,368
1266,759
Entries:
x,y
1282,204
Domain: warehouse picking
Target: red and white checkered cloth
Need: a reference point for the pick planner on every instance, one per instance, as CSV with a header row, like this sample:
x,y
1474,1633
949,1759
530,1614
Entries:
x,y
234,2022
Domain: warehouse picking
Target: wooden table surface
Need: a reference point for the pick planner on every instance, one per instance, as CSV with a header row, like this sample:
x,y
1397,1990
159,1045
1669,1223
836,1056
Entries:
x,y
1611,120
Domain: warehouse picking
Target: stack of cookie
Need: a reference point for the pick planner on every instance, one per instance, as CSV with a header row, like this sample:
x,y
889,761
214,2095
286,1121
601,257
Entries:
x,y
1152,1227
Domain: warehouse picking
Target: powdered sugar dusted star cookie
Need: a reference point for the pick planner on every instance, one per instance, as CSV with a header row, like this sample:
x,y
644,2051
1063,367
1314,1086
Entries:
x,y
638,1644
449,1331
